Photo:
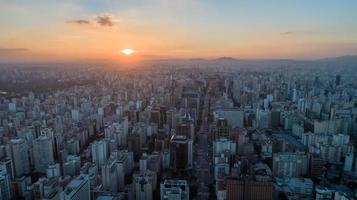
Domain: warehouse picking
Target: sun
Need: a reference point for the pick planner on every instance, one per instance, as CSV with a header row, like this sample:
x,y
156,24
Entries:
x,y
127,52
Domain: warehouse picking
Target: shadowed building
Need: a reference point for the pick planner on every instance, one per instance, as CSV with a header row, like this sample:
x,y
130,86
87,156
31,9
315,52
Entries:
x,y
249,190
180,153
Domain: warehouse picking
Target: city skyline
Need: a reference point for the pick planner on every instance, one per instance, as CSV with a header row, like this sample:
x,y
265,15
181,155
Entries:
x,y
158,29
178,100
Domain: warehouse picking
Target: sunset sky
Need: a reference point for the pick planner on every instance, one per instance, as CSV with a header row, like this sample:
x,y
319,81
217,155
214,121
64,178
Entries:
x,y
88,29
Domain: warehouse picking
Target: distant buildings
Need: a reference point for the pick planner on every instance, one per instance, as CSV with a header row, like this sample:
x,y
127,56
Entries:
x,y
236,133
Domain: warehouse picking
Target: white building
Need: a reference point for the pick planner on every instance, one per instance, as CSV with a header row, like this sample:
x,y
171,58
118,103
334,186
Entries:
x,y
99,150
223,145
174,190
235,117
53,170
75,115
348,162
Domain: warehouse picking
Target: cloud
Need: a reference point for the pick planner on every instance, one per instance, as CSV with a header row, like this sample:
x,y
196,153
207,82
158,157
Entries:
x,y
299,33
105,20
13,49
287,33
79,21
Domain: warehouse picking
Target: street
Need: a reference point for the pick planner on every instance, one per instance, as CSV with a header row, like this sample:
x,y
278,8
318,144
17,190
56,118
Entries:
x,y
203,157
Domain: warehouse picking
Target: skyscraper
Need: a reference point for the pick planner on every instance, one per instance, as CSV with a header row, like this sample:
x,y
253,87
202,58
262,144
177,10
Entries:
x,y
180,152
99,150
43,153
110,178
144,185
249,190
17,150
5,187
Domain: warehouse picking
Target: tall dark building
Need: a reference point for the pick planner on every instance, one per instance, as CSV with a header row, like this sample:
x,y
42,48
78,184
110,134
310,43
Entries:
x,y
180,152
316,165
162,117
134,144
222,128
275,119
187,129
155,116
249,190
338,80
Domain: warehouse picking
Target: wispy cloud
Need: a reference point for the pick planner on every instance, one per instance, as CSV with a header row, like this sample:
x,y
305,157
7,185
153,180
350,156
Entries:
x,y
78,21
288,33
105,20
13,49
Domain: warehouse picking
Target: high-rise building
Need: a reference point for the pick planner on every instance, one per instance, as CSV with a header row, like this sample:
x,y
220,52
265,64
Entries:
x,y
223,145
53,170
316,165
338,80
289,164
263,118
110,178
91,170
144,185
78,188
17,150
47,189
187,129
249,190
134,144
99,150
42,153
221,129
5,186
348,162
7,165
180,152
234,116
300,187
72,146
297,130
295,95
71,167
174,190
75,115
221,166
143,163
